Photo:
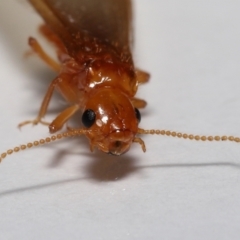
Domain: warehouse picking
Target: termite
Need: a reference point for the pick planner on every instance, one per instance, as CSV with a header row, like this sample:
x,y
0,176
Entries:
x,y
96,75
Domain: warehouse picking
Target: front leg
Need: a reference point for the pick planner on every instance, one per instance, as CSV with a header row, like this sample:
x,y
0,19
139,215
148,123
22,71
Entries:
x,y
44,105
62,118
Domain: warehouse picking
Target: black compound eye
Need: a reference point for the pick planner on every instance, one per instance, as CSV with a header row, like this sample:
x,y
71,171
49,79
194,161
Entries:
x,y
88,118
138,115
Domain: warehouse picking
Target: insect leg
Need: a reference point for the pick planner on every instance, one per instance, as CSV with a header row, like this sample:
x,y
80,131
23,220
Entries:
x,y
62,118
138,103
43,55
44,105
142,77
52,37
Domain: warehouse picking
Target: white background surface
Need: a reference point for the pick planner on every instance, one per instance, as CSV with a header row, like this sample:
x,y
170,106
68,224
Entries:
x,y
176,190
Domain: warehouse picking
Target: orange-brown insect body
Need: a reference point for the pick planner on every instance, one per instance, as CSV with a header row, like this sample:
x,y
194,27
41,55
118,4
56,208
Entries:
x,y
96,75
97,71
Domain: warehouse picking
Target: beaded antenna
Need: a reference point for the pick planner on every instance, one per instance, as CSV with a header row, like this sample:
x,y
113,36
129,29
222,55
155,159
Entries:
x,y
78,132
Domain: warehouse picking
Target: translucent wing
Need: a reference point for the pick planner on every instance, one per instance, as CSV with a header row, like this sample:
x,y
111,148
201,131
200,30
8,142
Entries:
x,y
106,20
